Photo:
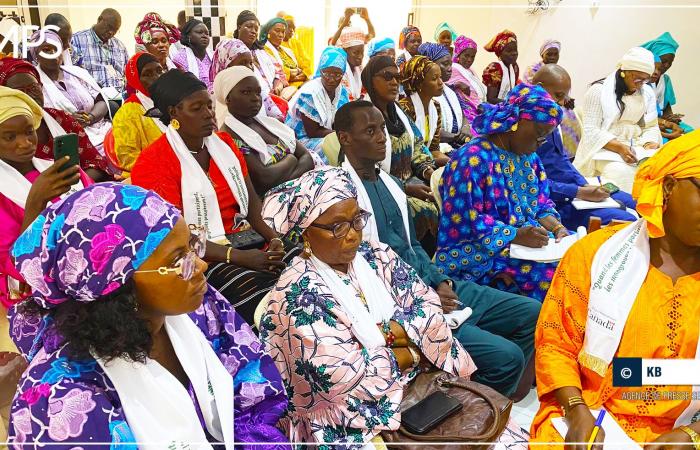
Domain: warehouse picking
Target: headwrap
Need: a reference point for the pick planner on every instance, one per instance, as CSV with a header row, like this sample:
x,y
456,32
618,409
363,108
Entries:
x,y
413,73
379,45
524,102
461,44
292,207
265,29
133,69
680,158
49,36
90,243
444,26
502,39
226,80
549,43
226,52
244,17
10,66
331,57
662,45
287,17
17,103
433,51
393,123
406,33
639,59
154,22
170,89
187,29
350,37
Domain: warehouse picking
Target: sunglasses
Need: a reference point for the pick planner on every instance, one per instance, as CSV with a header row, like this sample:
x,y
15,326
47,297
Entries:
x,y
185,267
388,76
341,229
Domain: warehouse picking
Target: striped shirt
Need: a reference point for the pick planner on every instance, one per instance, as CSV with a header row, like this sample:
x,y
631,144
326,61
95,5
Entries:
x,y
104,61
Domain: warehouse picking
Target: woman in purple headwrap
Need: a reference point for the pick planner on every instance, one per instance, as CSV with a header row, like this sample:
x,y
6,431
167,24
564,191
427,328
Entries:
x,y
471,92
125,339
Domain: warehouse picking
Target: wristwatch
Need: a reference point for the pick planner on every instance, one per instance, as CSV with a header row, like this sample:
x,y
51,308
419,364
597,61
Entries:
x,y
694,436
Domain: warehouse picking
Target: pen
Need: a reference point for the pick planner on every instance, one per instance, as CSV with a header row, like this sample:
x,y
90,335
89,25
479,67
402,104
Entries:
x,y
596,428
599,182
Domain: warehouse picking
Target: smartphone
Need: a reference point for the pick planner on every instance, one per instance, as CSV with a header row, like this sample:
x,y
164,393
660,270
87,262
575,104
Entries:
x,y
66,145
428,413
358,11
611,188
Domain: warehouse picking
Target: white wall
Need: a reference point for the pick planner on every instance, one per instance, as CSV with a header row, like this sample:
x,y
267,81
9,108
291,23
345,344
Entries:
x,y
593,39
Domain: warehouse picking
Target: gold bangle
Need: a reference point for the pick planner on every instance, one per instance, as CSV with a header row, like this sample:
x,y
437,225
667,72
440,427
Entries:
x,y
694,436
414,355
571,403
228,255
277,239
557,228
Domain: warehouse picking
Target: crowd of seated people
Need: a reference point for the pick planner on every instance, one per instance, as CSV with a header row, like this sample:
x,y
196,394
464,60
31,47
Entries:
x,y
260,247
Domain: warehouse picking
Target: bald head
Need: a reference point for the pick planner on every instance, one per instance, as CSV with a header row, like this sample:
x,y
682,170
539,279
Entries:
x,y
108,24
555,80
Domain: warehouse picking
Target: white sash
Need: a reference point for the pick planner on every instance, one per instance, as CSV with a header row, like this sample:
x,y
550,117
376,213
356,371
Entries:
x,y
380,303
255,141
193,61
353,81
275,53
507,81
16,187
325,107
169,64
201,207
84,75
365,203
58,99
157,406
386,164
475,83
449,103
611,112
267,67
420,117
147,103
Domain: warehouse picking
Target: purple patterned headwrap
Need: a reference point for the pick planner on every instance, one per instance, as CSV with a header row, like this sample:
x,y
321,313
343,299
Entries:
x,y
50,37
461,44
292,207
523,102
433,51
90,243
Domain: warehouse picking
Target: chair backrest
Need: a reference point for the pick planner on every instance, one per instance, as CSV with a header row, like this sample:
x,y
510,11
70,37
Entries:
x,y
110,150
435,186
594,224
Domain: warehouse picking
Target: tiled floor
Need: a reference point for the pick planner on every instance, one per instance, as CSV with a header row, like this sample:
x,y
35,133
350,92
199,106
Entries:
x,y
524,411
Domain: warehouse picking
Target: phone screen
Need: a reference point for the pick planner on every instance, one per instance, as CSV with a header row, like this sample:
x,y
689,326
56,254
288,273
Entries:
x,y
66,145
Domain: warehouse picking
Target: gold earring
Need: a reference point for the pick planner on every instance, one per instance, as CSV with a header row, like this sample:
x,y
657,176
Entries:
x,y
514,127
307,249
622,74
175,124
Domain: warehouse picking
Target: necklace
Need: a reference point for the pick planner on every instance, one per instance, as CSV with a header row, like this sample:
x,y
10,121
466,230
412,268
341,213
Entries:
x,y
197,151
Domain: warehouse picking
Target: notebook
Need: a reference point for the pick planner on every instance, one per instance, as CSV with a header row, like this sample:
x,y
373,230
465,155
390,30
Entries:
x,y
607,155
615,436
585,204
552,252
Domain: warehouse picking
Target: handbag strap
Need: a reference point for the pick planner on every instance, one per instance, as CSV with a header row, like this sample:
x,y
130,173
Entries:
x,y
487,435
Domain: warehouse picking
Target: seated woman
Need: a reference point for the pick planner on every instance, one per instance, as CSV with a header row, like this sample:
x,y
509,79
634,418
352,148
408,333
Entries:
x,y
133,130
501,76
272,36
294,46
313,107
407,158
73,90
155,36
130,321
206,177
648,298
345,383
495,193
272,152
549,51
233,52
27,183
619,116
422,81
470,91
21,75
196,57
269,73
381,47
409,41
445,35
455,127
352,41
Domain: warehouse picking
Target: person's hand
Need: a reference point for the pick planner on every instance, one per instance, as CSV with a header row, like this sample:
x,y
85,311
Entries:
x,y
676,118
628,155
276,245
677,436
448,297
12,365
82,118
420,191
464,87
364,13
570,104
651,145
592,193
534,237
561,233
261,261
581,423
51,183
348,14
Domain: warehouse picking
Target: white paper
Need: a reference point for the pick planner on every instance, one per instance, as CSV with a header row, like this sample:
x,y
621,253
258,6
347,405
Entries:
x,y
554,251
615,436
585,204
607,155
455,319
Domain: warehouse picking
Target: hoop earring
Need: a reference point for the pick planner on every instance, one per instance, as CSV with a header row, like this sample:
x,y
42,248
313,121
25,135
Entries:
x,y
307,249
175,124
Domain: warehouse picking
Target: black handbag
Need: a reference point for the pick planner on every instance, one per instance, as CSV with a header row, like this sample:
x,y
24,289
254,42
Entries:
x,y
246,240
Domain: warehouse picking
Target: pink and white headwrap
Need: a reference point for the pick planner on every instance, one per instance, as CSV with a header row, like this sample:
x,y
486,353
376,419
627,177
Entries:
x,y
549,43
350,37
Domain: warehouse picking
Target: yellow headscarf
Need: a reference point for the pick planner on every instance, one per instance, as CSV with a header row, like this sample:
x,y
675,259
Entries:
x,y
17,103
680,158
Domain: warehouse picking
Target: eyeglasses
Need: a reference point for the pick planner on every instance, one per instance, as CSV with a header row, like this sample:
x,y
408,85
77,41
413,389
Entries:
x,y
185,266
341,229
388,76
331,75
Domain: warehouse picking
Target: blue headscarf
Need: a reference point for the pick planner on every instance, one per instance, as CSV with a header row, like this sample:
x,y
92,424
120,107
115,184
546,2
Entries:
x,y
379,45
433,51
332,57
523,102
662,45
